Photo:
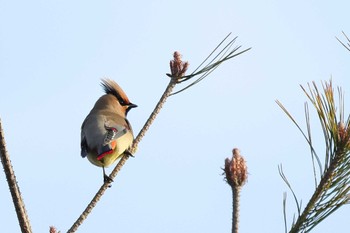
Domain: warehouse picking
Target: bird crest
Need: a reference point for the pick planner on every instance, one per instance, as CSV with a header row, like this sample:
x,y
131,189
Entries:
x,y
111,87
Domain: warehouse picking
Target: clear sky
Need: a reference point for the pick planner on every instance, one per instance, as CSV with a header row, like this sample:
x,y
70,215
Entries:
x,y
54,53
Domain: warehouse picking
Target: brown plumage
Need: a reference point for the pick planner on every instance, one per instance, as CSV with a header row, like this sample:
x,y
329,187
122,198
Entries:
x,y
106,133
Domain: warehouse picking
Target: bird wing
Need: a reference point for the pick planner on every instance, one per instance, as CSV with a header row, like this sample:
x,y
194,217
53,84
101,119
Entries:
x,y
114,131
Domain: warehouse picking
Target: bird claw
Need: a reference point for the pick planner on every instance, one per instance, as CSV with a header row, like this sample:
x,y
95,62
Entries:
x,y
127,152
107,179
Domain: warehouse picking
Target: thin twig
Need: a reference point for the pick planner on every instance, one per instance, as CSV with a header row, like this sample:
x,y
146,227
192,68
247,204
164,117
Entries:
x,y
155,112
236,194
125,157
13,186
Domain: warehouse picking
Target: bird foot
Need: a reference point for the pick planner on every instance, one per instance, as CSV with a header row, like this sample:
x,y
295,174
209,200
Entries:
x,y
107,179
127,152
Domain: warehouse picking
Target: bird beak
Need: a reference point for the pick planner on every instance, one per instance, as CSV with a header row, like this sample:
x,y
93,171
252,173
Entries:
x,y
132,105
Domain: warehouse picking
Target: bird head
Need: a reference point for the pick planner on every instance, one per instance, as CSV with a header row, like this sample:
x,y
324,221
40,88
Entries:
x,y
115,97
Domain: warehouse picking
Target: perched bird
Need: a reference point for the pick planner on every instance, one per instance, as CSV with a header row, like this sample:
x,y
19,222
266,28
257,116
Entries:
x,y
106,134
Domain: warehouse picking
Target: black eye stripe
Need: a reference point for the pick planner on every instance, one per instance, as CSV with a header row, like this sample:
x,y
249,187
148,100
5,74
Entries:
x,y
122,102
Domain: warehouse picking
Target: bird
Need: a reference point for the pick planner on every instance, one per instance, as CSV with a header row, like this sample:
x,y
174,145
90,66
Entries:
x,y
106,133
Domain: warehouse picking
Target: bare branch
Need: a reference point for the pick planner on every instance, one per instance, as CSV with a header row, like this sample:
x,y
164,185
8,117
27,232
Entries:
x,y
13,186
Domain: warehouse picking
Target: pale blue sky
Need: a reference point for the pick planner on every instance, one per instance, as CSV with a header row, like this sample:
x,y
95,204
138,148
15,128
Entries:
x,y
54,53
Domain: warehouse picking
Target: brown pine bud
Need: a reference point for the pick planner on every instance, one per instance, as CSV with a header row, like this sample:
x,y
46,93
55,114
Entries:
x,y
178,68
236,169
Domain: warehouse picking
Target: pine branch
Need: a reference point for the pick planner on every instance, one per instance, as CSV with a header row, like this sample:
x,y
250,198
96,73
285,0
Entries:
x,y
333,188
178,69
13,186
215,59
